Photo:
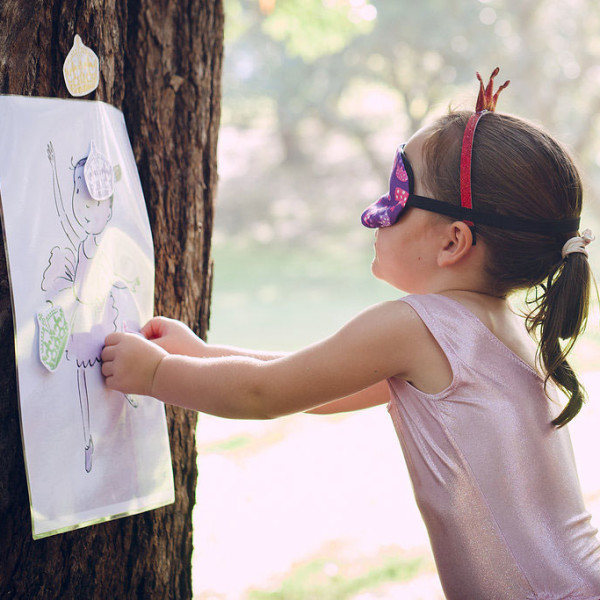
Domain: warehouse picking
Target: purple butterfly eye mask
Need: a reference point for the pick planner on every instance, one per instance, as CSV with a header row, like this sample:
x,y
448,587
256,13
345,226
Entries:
x,y
386,211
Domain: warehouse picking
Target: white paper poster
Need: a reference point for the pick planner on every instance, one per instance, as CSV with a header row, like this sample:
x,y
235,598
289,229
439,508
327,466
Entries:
x,y
81,265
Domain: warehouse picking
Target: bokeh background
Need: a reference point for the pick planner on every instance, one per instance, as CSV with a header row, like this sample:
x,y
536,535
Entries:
x,y
317,95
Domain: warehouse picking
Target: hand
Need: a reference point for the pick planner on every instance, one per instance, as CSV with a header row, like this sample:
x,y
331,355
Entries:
x,y
129,363
174,336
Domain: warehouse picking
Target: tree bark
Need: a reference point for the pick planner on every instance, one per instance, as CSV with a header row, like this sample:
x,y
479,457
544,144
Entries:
x,y
160,63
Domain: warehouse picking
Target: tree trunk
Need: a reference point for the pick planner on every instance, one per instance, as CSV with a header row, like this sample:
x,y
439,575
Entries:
x,y
160,62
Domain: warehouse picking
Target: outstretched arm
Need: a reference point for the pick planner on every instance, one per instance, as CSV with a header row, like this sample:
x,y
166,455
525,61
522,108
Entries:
x,y
177,338
377,344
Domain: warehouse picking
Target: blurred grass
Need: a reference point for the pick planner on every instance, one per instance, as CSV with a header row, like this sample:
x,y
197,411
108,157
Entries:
x,y
231,444
327,580
277,298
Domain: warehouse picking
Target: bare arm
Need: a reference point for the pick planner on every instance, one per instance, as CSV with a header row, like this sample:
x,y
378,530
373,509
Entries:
x,y
374,395
377,344
177,338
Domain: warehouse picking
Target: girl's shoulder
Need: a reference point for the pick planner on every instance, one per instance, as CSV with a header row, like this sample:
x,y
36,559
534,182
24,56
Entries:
x,y
459,315
431,369
393,340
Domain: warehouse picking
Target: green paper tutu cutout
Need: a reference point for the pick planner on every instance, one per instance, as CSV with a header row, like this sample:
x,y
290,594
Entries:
x,y
53,336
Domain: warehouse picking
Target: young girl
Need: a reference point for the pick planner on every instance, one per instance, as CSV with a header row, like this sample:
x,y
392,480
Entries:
x,y
480,205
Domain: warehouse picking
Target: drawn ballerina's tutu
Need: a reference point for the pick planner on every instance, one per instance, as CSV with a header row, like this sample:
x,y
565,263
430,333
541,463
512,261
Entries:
x,y
81,278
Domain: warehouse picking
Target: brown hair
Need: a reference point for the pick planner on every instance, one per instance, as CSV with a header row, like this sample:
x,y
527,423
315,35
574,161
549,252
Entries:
x,y
518,169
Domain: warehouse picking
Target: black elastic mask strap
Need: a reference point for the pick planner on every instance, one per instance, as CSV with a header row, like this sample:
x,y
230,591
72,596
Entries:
x,y
493,219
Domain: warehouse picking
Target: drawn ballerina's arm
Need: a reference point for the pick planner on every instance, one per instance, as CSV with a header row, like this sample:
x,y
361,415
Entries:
x,y
72,229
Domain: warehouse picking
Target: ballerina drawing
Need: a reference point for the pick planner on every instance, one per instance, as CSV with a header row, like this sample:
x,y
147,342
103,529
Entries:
x,y
83,291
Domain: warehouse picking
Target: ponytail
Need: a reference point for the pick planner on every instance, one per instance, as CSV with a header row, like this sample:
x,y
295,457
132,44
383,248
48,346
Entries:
x,y
560,313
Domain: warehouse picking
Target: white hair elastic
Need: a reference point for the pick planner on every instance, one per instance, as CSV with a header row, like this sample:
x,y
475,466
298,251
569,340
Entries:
x,y
578,243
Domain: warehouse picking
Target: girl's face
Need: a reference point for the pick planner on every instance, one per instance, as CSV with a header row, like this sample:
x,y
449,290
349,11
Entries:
x,y
406,252
92,215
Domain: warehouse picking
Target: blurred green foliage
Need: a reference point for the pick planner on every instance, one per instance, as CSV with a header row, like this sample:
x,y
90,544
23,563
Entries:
x,y
306,55
312,28
335,85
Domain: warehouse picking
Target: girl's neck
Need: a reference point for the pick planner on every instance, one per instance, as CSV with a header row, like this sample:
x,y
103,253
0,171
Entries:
x,y
478,301
477,295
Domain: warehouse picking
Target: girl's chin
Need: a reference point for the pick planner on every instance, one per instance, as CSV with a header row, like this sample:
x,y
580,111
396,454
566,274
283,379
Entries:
x,y
376,272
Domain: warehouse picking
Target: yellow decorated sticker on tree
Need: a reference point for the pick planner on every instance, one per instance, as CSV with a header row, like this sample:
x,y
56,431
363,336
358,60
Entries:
x,y
81,69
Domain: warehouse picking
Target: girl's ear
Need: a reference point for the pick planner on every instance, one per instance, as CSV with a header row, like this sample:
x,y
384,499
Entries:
x,y
456,244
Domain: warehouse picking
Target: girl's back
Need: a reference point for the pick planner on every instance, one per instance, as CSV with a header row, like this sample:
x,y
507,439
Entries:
x,y
495,482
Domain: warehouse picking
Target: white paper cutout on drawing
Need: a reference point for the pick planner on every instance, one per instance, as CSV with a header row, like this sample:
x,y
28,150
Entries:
x,y
98,173
81,267
81,69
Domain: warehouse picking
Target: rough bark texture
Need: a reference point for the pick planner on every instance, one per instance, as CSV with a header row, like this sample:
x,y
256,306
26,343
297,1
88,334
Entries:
x,y
160,63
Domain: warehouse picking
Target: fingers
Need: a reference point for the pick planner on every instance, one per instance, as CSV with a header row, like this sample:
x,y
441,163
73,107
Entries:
x,y
107,356
112,339
108,353
107,369
129,362
147,330
155,328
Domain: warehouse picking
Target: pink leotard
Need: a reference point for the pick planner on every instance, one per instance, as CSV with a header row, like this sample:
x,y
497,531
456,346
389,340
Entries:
x,y
495,482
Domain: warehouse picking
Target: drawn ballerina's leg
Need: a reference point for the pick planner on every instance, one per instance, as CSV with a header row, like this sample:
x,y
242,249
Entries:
x,y
84,404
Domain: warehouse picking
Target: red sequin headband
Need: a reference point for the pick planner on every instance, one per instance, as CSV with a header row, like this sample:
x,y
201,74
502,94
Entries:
x,y
486,102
